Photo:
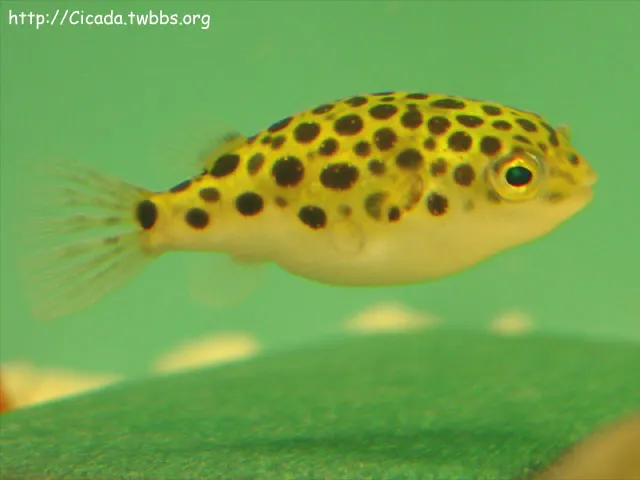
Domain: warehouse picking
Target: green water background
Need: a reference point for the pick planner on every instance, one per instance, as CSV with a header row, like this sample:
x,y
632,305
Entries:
x,y
126,99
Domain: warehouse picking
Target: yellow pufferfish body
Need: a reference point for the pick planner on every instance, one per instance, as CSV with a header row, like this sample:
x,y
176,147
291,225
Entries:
x,y
379,189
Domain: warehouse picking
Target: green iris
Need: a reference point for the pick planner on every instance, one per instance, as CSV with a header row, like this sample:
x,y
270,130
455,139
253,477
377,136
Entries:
x,y
519,176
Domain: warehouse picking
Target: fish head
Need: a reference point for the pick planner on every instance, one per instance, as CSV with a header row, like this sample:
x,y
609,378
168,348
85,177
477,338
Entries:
x,y
530,191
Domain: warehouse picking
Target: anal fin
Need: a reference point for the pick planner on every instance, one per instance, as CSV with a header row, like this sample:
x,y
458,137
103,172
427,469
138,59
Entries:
x,y
218,280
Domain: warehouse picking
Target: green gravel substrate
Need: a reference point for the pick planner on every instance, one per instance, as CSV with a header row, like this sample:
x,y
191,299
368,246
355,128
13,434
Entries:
x,y
436,404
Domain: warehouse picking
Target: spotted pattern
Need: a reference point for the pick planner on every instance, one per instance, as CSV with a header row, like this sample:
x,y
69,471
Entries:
x,y
146,214
376,167
490,145
255,163
197,218
225,165
460,141
249,204
417,96
464,175
449,103
339,176
313,217
527,125
522,139
181,187
348,125
502,125
306,132
492,110
452,131
429,144
438,125
362,148
394,214
281,125
553,136
278,141
327,107
356,101
383,111
328,147
288,171
411,119
409,159
470,121
437,204
385,138
209,194
438,167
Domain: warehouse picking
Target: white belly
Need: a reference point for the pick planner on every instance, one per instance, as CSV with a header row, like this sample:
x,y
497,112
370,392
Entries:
x,y
417,248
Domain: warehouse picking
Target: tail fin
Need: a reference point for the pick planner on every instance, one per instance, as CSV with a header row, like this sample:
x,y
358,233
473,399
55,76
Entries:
x,y
82,241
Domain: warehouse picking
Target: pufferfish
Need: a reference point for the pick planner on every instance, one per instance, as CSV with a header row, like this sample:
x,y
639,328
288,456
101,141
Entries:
x,y
382,189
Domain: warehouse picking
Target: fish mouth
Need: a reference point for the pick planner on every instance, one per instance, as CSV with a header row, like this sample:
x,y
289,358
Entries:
x,y
590,177
586,194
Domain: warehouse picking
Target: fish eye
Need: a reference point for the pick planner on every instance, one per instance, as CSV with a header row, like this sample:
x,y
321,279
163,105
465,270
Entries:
x,y
516,176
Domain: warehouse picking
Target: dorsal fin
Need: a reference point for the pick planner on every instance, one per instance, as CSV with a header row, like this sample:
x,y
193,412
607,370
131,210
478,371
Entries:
x,y
227,143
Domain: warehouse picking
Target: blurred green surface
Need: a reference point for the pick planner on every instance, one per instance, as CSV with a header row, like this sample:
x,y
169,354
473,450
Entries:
x,y
446,405
127,101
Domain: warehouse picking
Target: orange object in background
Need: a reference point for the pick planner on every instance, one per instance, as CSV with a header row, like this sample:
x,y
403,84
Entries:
x,y
5,405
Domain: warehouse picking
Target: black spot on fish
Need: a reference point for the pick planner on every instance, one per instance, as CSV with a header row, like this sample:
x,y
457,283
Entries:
x,y
181,186
438,125
356,101
209,194
306,132
459,141
376,167
147,214
437,204
255,163
339,176
328,147
383,111
464,175
249,204
527,125
276,127
411,119
313,217
197,218
490,145
409,159
348,125
288,171
385,139
450,103
470,121
225,165
491,110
